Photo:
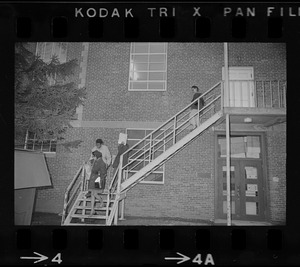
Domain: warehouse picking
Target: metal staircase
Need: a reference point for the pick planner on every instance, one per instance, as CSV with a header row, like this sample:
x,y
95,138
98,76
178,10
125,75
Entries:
x,y
144,157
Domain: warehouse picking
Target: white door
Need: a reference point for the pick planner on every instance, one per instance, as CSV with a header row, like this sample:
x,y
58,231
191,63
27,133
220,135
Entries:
x,y
241,87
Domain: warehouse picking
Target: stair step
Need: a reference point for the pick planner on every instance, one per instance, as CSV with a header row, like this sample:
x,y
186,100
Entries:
x,y
89,216
89,208
103,197
80,203
96,200
103,193
84,224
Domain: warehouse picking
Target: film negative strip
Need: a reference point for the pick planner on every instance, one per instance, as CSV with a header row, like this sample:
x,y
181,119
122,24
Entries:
x,y
150,133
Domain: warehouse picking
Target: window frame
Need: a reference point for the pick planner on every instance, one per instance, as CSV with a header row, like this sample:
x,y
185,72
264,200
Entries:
x,y
148,71
163,166
242,135
40,150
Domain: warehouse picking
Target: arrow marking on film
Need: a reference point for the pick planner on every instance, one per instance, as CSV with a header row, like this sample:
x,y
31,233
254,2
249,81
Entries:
x,y
40,258
183,258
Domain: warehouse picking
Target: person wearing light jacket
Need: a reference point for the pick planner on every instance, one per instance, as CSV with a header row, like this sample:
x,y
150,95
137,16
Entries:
x,y
103,149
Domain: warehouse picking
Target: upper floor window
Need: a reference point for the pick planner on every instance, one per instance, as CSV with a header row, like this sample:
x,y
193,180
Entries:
x,y
148,67
47,50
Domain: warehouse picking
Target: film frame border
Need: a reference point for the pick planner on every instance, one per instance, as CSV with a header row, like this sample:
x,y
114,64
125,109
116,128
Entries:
x,y
277,243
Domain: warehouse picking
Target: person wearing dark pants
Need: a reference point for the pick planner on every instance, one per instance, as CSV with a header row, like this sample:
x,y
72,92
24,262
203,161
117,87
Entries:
x,y
194,116
98,169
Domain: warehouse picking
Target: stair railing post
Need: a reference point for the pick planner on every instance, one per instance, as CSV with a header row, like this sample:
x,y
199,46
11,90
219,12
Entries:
x,y
284,95
222,96
65,208
174,133
228,168
278,94
83,177
198,113
119,188
150,148
122,208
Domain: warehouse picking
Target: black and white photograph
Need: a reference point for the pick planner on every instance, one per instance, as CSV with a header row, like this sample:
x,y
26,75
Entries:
x,y
150,133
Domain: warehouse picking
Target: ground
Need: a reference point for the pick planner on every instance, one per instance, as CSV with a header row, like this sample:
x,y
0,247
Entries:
x,y
41,218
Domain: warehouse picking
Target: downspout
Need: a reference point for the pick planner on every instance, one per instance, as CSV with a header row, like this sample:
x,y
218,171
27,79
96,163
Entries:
x,y
226,76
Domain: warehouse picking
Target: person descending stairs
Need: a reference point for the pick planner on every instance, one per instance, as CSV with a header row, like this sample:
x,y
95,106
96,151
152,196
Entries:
x,y
144,157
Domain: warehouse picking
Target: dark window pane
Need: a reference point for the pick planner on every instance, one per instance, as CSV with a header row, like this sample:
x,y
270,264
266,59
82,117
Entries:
x,y
136,165
30,135
29,144
136,134
53,146
148,132
46,145
158,134
158,153
154,177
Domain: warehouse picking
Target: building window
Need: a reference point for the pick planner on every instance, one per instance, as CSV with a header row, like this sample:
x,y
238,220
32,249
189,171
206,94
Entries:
x,y
240,146
46,145
148,67
46,51
135,157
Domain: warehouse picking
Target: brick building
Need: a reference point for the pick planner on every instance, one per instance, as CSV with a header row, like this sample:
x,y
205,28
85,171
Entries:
x,y
189,185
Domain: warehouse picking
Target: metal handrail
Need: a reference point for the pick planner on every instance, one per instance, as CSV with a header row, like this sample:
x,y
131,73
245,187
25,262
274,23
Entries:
x,y
275,87
66,196
179,112
175,119
170,133
113,179
74,193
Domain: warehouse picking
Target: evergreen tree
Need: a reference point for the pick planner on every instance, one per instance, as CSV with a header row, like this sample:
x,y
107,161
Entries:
x,y
46,97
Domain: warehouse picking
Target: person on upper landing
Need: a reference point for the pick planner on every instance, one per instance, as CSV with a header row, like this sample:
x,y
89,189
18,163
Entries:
x,y
106,156
196,95
194,116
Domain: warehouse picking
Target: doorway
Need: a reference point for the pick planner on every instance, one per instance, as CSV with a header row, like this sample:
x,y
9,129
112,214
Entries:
x,y
241,87
246,178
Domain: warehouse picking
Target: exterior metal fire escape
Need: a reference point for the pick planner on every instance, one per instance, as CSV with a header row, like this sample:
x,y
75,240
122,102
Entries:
x,y
143,158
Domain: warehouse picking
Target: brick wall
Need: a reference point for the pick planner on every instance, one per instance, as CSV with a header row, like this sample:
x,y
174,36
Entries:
x,y
189,181
108,74
268,59
188,191
276,143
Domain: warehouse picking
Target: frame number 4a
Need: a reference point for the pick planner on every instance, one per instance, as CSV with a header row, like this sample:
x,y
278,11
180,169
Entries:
x,y
208,259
